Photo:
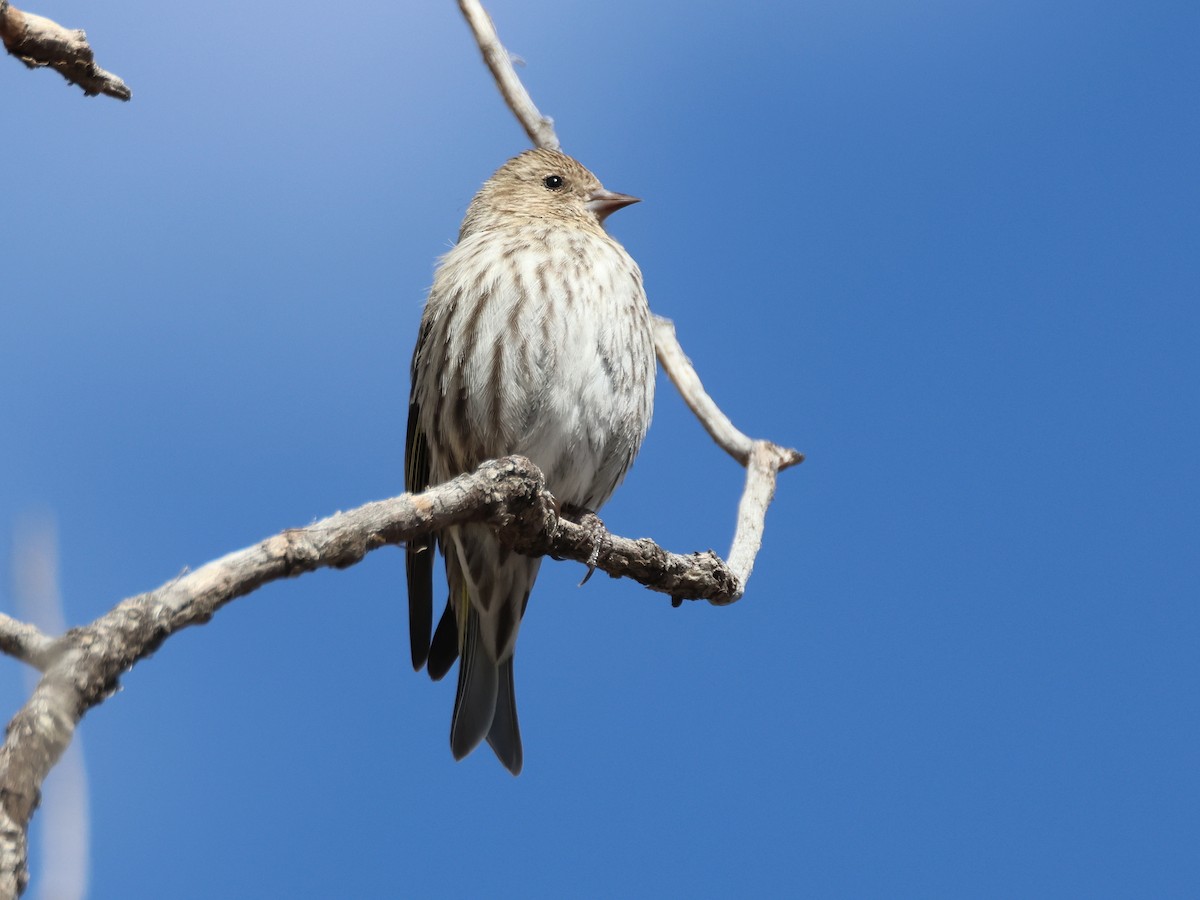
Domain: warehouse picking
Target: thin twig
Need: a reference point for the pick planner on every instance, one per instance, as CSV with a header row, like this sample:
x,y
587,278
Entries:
x,y
718,425
763,460
766,459
539,128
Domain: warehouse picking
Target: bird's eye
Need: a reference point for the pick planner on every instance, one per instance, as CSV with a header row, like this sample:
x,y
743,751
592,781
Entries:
x,y
553,182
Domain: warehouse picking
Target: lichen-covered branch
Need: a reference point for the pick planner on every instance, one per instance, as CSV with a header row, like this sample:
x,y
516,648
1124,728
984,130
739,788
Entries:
x,y
25,642
64,803
38,41
83,666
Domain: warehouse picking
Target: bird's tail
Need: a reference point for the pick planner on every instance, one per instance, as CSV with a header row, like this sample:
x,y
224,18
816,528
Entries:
x,y
485,706
504,737
489,589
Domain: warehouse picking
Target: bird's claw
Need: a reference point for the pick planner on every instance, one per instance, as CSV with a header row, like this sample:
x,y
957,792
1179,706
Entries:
x,y
590,522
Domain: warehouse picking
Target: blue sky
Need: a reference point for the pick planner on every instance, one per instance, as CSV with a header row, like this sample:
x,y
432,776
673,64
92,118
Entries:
x,y
949,250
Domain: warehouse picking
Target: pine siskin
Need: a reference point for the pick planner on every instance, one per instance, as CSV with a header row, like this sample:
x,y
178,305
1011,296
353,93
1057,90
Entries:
x,y
535,340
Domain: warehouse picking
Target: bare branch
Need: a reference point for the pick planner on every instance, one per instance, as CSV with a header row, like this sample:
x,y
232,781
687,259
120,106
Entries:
x,y
679,369
65,826
37,42
766,459
508,493
694,576
25,642
539,128
763,460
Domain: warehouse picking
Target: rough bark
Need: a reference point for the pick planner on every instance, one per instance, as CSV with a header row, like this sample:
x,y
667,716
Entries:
x,y
37,42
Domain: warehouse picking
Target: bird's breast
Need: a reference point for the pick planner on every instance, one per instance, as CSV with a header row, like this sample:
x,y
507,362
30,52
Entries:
x,y
546,351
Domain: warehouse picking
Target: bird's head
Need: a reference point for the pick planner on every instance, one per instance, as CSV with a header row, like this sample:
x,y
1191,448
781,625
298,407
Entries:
x,y
545,185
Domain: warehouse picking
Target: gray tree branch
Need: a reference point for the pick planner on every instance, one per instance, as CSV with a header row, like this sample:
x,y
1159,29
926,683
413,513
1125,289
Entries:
x,y
63,870
539,128
37,41
82,667
25,642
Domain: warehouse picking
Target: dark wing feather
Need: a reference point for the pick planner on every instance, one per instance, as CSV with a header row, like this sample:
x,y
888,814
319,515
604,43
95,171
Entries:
x,y
418,552
444,650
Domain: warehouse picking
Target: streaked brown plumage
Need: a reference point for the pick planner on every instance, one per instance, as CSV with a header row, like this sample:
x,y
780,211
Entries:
x,y
535,340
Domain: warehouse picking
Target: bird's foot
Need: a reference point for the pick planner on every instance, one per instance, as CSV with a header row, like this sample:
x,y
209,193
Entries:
x,y
590,523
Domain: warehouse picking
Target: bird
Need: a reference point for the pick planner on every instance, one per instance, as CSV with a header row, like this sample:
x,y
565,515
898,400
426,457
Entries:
x,y
535,339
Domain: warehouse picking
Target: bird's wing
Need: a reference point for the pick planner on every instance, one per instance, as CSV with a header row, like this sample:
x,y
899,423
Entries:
x,y
418,552
444,649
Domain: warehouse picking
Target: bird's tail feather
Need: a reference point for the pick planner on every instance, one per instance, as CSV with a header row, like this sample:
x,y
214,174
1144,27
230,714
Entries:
x,y
478,686
504,737
444,649
489,587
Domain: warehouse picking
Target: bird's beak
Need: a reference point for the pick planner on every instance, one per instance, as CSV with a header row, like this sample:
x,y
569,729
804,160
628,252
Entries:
x,y
602,202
